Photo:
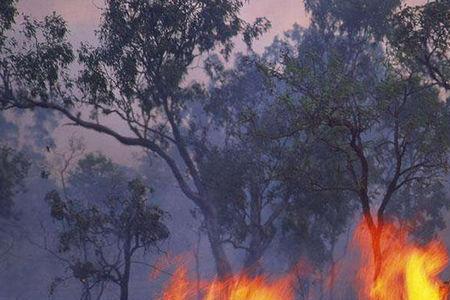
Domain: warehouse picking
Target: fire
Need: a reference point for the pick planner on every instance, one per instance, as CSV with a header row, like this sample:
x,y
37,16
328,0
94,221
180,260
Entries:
x,y
422,268
409,271
246,288
242,287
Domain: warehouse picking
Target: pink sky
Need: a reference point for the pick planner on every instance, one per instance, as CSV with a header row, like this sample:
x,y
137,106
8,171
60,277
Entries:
x,y
83,15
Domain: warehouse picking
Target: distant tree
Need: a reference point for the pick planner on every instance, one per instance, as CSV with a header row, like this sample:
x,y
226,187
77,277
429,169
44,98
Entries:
x,y
136,75
242,173
13,166
260,176
105,221
249,199
7,14
13,171
353,17
418,35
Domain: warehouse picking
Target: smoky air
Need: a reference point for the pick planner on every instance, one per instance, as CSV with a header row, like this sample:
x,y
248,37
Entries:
x,y
224,150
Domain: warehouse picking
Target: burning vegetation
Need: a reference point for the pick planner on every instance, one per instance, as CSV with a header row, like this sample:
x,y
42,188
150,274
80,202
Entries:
x,y
410,272
239,287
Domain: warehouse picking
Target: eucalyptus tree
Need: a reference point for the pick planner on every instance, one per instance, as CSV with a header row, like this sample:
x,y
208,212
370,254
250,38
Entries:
x,y
242,172
105,221
135,75
13,165
385,120
7,14
13,171
262,169
420,37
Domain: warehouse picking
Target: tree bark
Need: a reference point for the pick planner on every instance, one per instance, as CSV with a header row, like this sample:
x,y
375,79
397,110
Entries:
x,y
252,262
259,240
125,278
223,265
257,247
375,232
376,249
363,183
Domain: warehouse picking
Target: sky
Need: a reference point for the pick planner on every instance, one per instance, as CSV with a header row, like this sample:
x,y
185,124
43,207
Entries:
x,y
83,15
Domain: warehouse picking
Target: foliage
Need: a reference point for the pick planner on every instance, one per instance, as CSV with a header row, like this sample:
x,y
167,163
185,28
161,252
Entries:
x,y
136,73
388,123
421,37
13,171
7,14
261,175
353,17
101,232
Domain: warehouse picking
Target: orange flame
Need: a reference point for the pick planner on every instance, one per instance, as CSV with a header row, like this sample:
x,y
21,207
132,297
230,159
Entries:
x,y
240,287
409,271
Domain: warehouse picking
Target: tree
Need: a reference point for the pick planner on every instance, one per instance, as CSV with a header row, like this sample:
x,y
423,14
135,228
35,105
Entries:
x,y
243,172
14,166
13,170
420,36
249,198
7,15
260,174
101,233
136,75
352,17
387,123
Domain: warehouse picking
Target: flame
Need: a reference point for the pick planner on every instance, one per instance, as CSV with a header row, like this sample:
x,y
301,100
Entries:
x,y
241,287
179,288
409,271
422,268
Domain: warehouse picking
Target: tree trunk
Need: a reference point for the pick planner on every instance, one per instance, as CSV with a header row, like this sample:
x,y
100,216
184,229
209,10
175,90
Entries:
x,y
197,263
223,265
376,249
252,262
375,232
259,238
125,279
258,245
124,291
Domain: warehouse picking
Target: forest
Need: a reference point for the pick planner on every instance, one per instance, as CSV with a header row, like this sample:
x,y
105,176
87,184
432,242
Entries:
x,y
199,150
